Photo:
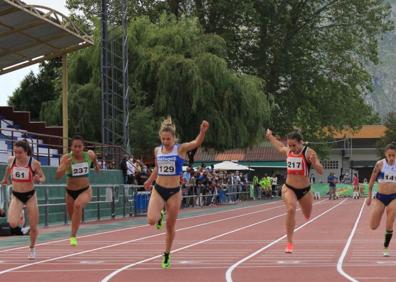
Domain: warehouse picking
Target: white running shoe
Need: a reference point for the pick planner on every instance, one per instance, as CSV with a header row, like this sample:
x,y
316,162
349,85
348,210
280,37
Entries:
x,y
32,253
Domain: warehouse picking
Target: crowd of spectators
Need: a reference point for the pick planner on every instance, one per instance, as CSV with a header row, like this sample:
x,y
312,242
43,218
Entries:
x,y
205,186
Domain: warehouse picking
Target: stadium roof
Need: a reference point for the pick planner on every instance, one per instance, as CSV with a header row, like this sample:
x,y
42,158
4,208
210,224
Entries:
x,y
30,34
376,131
262,152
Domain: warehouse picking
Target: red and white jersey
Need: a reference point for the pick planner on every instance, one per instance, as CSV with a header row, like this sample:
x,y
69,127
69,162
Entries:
x,y
21,173
297,163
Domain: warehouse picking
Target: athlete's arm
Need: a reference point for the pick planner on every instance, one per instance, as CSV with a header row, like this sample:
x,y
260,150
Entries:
x,y
94,159
315,162
39,176
63,166
279,146
373,177
185,147
153,176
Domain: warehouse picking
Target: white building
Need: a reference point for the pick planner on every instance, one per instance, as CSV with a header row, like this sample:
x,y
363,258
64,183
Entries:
x,y
354,152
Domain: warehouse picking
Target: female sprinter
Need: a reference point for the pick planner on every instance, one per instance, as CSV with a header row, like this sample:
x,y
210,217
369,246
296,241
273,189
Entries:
x,y
166,174
76,166
297,186
24,172
385,171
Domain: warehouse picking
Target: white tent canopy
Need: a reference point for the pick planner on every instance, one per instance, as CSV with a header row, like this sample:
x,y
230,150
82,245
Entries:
x,y
227,165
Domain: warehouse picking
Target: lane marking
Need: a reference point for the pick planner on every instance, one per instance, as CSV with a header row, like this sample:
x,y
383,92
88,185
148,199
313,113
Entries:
x,y
139,226
235,265
348,243
114,273
131,241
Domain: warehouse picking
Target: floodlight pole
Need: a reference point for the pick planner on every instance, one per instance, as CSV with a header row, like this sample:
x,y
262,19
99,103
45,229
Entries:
x,y
125,84
104,69
65,108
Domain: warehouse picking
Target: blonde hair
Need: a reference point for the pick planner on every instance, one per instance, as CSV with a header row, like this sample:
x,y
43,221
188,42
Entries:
x,y
168,126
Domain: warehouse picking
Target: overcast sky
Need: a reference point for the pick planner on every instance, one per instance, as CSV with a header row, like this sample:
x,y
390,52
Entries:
x,y
10,81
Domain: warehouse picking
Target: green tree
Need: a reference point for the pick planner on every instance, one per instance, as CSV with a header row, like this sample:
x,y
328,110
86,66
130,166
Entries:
x,y
37,89
84,96
175,69
143,126
313,56
185,74
390,133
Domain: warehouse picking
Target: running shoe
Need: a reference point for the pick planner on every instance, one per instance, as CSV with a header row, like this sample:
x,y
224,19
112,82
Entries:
x,y
32,254
166,261
25,230
386,252
73,241
161,220
289,248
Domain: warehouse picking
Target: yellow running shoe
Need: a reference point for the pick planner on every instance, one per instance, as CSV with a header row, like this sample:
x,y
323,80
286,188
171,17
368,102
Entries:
x,y
386,252
73,241
161,220
166,261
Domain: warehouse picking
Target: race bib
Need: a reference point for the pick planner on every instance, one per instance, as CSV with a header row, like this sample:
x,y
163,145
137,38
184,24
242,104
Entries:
x,y
20,173
166,167
80,169
389,177
294,163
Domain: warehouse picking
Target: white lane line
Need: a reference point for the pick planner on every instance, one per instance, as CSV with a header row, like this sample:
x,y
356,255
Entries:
x,y
348,243
111,275
235,265
139,226
133,240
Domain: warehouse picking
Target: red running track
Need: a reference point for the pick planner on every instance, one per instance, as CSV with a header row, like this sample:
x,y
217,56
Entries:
x,y
239,245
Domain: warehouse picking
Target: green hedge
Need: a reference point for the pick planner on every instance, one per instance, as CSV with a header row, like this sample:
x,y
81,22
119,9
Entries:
x,y
342,189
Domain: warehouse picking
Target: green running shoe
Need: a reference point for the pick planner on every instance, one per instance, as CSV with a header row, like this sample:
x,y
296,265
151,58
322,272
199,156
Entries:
x,y
166,261
73,241
161,220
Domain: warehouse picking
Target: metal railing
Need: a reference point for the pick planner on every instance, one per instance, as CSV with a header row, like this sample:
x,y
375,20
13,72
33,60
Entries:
x,y
112,201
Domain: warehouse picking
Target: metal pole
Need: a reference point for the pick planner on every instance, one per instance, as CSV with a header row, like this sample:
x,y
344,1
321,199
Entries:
x,y
49,158
124,199
98,202
65,214
65,113
112,202
37,149
125,84
104,67
46,207
12,142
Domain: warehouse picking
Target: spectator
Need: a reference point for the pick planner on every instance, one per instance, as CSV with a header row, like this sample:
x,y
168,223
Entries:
x,y
312,179
332,181
131,171
187,175
274,183
257,188
144,173
355,183
124,168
